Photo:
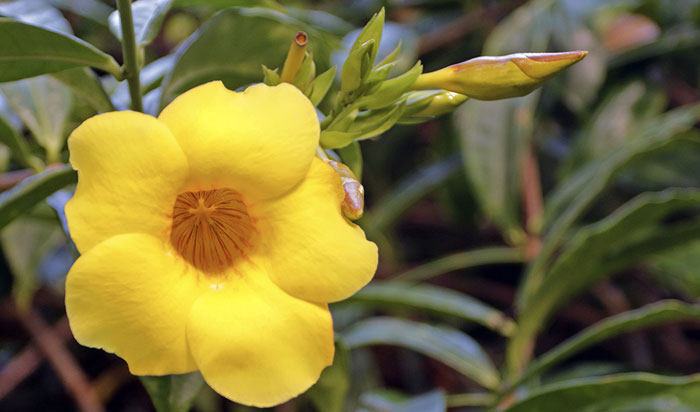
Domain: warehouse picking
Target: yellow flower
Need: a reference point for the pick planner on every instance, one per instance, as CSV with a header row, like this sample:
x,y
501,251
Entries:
x,y
212,239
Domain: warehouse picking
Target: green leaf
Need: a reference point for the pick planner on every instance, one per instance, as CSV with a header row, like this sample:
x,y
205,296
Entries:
x,y
352,73
205,57
678,269
28,51
173,393
445,344
21,198
664,311
85,84
148,16
320,86
462,260
329,393
493,136
390,207
24,242
390,401
367,125
19,147
391,90
627,392
306,73
222,4
44,105
91,9
434,299
36,12
630,235
371,34
576,194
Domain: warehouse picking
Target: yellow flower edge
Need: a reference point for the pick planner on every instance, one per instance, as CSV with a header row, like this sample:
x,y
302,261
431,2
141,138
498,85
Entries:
x,y
212,239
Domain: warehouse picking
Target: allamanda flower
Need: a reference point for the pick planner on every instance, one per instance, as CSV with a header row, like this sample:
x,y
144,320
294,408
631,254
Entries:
x,y
212,239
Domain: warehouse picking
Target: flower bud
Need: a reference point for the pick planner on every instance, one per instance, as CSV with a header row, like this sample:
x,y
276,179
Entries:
x,y
502,77
442,103
354,202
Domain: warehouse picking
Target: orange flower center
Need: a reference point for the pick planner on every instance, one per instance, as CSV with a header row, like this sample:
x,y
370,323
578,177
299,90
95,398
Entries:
x,y
211,229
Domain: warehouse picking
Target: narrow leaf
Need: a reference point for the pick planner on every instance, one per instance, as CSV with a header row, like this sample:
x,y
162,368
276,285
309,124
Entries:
x,y
84,84
28,51
148,17
447,345
21,198
435,299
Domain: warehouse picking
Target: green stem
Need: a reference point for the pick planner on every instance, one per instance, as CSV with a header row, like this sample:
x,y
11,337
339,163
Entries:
x,y
130,52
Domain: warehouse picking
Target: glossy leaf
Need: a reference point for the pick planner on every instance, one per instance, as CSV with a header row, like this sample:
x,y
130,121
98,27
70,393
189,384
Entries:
x,y
173,393
616,393
148,16
447,345
84,84
92,9
36,12
631,234
44,105
204,57
24,243
21,198
435,299
221,4
492,137
664,311
28,51
462,260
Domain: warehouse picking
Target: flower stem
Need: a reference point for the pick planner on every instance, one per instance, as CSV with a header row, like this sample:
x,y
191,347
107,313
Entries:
x,y
130,52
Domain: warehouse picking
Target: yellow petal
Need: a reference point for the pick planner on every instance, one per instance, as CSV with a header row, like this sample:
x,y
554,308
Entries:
x,y
129,295
309,248
130,169
256,345
259,142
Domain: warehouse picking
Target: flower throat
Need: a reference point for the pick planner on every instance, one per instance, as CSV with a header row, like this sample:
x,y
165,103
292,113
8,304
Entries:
x,y
211,229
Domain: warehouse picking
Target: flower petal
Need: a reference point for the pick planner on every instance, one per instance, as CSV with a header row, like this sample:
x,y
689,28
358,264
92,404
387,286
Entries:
x,y
256,345
130,169
310,249
259,142
131,296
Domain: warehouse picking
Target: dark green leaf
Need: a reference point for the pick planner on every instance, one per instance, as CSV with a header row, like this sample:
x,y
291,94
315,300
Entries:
x,y
463,260
329,393
407,192
447,345
84,84
21,198
222,4
28,51
660,312
493,136
639,392
630,235
435,299
173,393
19,147
92,9
678,269
148,16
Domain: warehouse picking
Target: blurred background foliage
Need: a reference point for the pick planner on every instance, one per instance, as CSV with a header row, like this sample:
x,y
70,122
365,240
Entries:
x,y
534,252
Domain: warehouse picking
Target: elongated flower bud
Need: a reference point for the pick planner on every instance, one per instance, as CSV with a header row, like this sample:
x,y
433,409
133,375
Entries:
x,y
502,77
354,203
442,103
